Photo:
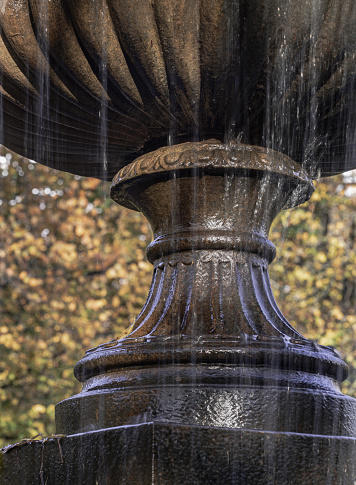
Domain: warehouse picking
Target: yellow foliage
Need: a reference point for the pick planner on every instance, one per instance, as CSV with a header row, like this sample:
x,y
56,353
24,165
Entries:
x,y
9,342
111,273
321,257
37,409
95,304
337,313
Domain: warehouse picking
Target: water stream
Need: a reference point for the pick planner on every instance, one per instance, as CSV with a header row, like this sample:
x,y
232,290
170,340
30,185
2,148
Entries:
x,y
89,87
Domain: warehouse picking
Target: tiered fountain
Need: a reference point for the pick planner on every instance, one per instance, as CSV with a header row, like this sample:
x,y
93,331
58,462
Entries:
x,y
217,115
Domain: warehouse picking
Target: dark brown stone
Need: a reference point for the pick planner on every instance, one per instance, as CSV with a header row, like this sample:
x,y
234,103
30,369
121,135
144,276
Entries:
x,y
170,454
210,346
88,87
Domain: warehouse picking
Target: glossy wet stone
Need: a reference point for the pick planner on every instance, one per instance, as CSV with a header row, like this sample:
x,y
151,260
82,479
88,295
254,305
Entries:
x,y
210,346
170,454
277,74
281,74
211,395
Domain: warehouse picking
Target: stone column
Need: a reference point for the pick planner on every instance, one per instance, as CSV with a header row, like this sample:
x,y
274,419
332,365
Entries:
x,y
211,385
210,346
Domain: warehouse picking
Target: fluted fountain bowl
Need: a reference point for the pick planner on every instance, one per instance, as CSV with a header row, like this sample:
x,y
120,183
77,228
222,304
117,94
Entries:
x,y
87,87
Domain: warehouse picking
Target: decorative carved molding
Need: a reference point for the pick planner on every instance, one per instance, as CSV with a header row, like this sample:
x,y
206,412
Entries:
x,y
212,154
201,295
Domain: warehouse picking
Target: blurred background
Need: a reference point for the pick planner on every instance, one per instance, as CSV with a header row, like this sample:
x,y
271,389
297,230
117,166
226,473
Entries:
x,y
73,274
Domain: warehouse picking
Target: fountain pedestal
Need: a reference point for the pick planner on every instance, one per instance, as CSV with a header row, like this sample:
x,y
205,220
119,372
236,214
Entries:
x,y
171,454
89,86
210,346
211,384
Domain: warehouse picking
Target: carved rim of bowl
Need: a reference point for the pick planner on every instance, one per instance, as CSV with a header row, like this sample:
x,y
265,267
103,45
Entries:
x,y
212,155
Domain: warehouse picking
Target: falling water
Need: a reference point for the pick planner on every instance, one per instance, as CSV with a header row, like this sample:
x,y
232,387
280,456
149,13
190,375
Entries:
x,y
88,87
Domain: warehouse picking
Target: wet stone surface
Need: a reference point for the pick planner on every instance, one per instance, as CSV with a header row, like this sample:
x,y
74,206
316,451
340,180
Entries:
x,y
165,453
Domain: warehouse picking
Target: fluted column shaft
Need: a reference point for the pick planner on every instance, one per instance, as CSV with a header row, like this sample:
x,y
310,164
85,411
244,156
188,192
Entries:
x,y
211,254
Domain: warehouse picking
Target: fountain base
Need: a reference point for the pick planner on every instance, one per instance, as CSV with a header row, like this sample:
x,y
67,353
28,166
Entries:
x,y
231,396
165,453
212,384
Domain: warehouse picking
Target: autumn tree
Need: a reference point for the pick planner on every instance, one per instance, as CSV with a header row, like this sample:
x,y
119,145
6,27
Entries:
x,y
73,275
314,275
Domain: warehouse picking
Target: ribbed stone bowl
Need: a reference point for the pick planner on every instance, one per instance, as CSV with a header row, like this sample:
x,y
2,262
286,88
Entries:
x,y
87,87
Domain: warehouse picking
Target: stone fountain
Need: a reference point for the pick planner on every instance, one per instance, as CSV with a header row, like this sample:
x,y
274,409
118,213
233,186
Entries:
x,y
214,116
